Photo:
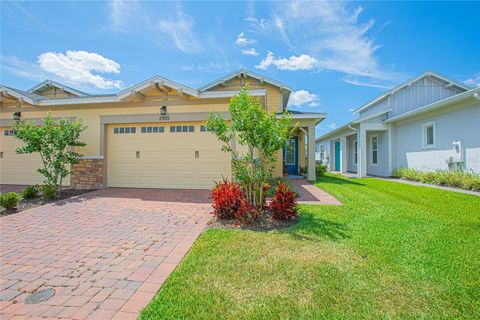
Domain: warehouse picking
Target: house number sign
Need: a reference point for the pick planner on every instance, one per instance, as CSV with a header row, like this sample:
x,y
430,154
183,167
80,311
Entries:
x,y
164,118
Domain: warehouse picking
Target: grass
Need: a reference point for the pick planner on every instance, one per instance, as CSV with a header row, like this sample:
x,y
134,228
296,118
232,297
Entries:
x,y
391,251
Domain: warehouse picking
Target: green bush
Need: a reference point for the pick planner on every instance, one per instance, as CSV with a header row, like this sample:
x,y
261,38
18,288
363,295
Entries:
x,y
9,200
320,170
30,192
49,192
273,183
461,179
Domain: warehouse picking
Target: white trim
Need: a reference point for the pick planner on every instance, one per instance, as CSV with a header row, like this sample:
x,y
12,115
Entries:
x,y
355,152
248,74
371,150
427,74
157,80
370,116
425,126
59,86
91,157
15,94
231,93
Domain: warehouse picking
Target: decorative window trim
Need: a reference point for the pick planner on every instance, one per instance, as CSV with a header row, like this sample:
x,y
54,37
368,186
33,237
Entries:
x,y
425,127
124,130
182,129
375,136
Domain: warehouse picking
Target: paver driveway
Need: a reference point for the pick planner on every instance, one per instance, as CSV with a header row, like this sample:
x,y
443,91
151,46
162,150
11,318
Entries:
x,y
105,253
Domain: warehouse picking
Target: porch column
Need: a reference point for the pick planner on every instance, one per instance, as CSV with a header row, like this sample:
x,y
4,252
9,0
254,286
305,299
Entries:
x,y
343,154
362,153
390,149
311,154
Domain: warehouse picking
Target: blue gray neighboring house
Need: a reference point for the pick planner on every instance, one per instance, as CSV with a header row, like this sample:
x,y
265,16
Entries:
x,y
427,123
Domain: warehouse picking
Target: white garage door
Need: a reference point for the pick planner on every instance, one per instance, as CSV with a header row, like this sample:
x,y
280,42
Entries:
x,y
174,155
17,168
20,169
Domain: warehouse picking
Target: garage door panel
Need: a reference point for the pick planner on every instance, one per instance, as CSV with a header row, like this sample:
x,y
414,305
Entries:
x,y
166,160
20,169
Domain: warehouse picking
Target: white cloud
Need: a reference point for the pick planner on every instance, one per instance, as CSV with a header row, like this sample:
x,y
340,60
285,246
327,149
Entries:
x,y
473,81
338,41
24,69
180,31
249,52
80,67
351,109
332,126
303,97
243,40
367,82
301,62
173,30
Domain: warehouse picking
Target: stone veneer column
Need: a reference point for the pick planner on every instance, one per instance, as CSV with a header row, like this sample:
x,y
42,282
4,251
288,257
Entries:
x,y
87,174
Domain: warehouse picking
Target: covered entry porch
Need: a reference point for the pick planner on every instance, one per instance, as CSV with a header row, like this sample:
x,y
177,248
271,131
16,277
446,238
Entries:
x,y
363,149
298,155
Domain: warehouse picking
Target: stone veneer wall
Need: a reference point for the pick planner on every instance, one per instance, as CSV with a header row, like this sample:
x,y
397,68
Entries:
x,y
87,174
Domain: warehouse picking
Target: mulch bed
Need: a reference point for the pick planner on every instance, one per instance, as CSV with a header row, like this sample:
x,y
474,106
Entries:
x,y
263,223
25,204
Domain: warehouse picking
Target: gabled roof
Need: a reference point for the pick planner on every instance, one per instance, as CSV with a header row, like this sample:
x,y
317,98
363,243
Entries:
x,y
248,74
406,83
160,81
50,83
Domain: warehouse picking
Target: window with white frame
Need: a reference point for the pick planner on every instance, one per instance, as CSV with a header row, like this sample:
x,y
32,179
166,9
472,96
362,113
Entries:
x,y
355,152
374,148
322,152
428,135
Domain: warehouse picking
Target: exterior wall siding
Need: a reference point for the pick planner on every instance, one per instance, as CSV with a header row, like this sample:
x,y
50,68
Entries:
x,y
451,124
380,169
420,93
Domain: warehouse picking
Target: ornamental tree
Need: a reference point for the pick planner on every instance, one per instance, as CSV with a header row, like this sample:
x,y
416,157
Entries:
x,y
55,141
260,133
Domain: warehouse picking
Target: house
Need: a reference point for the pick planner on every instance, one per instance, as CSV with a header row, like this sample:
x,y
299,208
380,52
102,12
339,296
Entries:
x,y
428,123
151,135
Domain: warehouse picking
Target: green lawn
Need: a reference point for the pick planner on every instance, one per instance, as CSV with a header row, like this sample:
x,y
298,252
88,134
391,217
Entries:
x,y
391,251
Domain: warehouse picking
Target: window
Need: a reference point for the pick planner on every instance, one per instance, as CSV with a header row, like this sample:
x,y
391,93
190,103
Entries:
x,y
182,129
122,130
355,152
290,152
152,129
322,152
9,132
204,129
428,135
374,146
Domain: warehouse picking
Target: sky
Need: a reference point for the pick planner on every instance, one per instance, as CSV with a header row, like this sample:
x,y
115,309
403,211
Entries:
x,y
336,56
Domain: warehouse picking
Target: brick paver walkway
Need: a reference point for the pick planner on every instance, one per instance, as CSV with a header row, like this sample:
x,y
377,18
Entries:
x,y
105,253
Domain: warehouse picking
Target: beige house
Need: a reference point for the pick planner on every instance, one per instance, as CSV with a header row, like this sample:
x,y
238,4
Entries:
x,y
151,135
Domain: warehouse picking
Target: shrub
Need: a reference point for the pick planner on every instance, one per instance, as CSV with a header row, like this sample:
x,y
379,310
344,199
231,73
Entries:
x,y
463,180
247,213
283,204
9,200
227,199
49,192
30,192
320,170
273,183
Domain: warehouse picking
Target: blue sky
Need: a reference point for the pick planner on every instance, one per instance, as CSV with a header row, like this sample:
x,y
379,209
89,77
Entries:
x,y
336,55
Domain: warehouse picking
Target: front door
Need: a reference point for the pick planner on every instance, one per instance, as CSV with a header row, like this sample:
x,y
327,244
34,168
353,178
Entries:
x,y
290,155
337,155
